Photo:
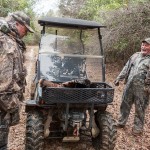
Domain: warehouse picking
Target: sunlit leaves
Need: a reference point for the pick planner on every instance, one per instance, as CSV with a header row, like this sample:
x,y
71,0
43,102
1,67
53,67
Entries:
x,y
13,5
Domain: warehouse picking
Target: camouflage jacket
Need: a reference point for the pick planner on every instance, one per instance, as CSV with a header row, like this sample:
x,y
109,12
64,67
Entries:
x,y
12,72
136,65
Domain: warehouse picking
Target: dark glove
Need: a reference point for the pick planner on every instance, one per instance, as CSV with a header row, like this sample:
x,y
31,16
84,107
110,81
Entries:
x,y
116,82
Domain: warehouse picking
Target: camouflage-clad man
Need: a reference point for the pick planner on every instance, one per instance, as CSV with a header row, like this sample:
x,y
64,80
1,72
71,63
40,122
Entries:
x,y
12,72
137,75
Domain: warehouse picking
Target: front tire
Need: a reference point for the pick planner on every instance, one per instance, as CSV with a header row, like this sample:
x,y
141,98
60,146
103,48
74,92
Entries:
x,y
34,131
107,136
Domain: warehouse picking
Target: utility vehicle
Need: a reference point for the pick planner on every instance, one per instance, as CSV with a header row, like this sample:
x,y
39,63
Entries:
x,y
70,49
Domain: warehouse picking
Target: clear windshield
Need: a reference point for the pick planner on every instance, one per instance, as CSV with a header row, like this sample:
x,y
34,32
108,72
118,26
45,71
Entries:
x,y
71,42
68,56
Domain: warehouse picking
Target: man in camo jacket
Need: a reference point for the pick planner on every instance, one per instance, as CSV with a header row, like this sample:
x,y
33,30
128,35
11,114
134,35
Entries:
x,y
136,72
12,72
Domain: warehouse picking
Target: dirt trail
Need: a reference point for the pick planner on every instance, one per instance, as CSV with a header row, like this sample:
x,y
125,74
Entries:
x,y
125,140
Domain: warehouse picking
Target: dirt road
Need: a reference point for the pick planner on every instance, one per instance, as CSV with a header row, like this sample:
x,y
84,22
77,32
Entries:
x,y
125,140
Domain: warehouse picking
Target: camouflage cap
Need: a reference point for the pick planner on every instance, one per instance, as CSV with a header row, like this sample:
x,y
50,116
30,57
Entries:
x,y
147,40
22,18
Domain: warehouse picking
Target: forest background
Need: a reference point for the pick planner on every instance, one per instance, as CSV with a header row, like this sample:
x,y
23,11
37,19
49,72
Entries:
x,y
127,21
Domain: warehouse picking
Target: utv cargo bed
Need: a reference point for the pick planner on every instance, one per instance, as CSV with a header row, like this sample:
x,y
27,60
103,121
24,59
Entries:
x,y
100,93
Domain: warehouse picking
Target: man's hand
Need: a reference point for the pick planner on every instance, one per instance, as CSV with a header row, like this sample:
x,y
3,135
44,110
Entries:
x,y
116,82
147,89
147,85
147,81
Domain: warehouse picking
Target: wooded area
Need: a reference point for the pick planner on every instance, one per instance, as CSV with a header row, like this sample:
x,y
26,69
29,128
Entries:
x,y
127,21
127,24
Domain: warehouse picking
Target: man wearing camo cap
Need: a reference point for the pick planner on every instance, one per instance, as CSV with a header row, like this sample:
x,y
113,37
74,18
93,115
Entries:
x,y
12,71
136,72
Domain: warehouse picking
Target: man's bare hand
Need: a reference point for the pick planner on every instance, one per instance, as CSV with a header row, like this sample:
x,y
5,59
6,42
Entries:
x,y
147,81
147,89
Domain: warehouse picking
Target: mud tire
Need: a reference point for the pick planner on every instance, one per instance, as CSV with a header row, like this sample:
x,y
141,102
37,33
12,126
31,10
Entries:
x,y
108,131
34,131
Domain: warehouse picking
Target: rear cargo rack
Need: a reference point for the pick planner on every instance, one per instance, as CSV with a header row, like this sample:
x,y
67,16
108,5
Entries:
x,y
101,93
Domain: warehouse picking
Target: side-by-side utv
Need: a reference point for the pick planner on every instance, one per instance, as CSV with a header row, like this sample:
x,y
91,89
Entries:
x,y
70,50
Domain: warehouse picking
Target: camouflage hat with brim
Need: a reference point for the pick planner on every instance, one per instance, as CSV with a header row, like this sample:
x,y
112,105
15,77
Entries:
x,y
147,40
22,18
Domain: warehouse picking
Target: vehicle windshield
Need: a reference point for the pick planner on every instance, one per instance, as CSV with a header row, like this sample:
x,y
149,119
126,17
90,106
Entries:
x,y
69,41
66,55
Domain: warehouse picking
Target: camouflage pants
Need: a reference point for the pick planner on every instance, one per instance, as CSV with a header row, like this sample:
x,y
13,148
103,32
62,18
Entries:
x,y
4,130
134,94
9,103
5,123
8,116
4,147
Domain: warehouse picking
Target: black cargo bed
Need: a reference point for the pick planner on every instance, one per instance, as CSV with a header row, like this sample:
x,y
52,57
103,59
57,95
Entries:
x,y
100,93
